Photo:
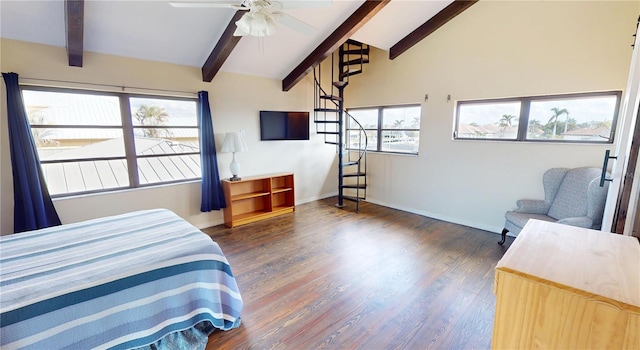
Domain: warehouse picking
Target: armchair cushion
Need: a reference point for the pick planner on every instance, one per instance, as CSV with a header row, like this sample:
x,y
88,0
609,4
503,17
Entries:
x,y
533,206
580,221
519,219
572,198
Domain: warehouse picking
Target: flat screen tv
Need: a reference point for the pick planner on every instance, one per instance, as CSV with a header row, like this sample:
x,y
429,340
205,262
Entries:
x,y
284,125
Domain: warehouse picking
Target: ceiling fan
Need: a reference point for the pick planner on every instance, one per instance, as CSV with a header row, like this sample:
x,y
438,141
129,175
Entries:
x,y
263,16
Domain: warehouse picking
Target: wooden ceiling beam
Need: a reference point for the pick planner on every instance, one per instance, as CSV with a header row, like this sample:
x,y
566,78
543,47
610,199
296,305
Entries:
x,y
222,50
430,26
361,16
74,23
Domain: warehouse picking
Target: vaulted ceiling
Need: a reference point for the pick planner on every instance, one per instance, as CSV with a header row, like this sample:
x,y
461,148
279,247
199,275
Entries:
x,y
202,37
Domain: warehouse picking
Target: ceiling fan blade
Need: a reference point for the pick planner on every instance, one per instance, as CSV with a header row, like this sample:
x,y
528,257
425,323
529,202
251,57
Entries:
x,y
218,4
294,23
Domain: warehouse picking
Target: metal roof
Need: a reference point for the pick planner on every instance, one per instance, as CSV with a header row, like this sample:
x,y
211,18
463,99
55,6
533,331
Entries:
x,y
91,175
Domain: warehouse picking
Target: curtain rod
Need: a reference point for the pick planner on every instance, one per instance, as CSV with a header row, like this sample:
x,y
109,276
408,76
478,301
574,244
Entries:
x,y
34,81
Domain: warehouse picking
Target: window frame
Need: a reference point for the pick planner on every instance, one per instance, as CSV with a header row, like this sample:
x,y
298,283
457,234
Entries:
x,y
380,129
127,127
523,118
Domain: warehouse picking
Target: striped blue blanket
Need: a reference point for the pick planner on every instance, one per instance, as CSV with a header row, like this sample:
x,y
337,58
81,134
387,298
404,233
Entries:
x,y
120,282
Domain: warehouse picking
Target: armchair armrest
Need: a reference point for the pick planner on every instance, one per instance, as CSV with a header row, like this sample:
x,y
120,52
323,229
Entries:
x,y
580,221
533,206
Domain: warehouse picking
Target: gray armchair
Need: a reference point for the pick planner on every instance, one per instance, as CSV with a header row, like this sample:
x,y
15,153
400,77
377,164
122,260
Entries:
x,y
571,196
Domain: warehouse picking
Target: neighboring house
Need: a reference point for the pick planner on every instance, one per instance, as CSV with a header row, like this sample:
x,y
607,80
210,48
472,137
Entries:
x,y
487,131
588,134
101,112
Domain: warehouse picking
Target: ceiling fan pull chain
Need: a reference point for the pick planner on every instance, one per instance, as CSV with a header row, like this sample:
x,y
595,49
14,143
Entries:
x,y
261,46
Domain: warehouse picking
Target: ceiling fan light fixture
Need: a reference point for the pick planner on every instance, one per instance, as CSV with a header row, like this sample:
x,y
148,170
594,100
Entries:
x,y
244,24
271,26
256,23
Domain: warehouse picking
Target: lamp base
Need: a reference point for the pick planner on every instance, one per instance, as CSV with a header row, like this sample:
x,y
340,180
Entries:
x,y
235,178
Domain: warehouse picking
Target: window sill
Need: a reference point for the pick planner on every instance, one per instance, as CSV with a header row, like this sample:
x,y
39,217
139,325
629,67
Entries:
x,y
122,190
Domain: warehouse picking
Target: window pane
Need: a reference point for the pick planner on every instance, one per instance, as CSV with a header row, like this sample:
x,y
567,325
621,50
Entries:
x,y
170,168
85,176
163,112
368,118
153,119
401,117
59,108
492,120
78,143
355,138
75,131
572,119
166,140
400,141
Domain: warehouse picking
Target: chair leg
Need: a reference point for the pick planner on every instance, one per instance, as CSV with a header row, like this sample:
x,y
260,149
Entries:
x,y
504,236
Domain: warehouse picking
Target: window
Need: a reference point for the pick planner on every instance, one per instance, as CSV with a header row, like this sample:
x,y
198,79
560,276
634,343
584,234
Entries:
x,y
588,117
92,142
393,129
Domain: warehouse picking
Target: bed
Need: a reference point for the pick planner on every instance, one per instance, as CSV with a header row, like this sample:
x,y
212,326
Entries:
x,y
142,279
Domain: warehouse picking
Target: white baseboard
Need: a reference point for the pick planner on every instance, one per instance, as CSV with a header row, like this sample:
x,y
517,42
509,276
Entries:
x,y
316,198
493,229
458,221
203,225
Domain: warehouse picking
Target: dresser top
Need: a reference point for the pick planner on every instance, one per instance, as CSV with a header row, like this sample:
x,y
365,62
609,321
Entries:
x,y
594,263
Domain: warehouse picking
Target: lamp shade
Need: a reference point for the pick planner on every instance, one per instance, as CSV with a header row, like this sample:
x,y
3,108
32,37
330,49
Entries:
x,y
234,142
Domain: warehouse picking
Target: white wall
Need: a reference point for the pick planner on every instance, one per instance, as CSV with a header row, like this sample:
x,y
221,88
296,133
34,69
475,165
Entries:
x,y
494,49
235,102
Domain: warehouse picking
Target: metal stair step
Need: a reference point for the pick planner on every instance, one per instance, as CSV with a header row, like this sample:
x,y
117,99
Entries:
x,y
355,186
363,51
326,110
331,143
349,163
328,132
326,121
331,97
350,73
353,174
357,61
340,84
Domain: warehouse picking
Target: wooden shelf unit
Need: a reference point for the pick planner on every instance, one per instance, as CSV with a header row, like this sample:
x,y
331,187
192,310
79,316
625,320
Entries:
x,y
257,198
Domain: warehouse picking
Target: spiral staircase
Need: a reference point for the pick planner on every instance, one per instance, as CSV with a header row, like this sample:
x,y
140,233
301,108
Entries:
x,y
338,127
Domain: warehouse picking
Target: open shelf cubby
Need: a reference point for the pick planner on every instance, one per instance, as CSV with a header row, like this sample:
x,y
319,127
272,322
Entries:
x,y
256,198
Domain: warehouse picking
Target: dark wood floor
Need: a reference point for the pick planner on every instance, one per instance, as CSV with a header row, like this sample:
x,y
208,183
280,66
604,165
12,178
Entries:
x,y
378,279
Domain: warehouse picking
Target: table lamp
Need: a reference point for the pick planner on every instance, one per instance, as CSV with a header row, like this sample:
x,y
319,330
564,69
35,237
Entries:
x,y
234,142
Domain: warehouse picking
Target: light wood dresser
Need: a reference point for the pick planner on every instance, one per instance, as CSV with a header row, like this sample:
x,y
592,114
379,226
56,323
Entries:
x,y
565,287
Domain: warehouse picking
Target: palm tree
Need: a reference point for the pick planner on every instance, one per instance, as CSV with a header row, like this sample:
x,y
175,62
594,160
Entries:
x,y
42,136
535,128
152,116
557,112
415,122
505,122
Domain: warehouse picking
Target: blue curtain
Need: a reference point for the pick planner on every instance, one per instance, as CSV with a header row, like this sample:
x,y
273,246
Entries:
x,y
33,208
212,195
